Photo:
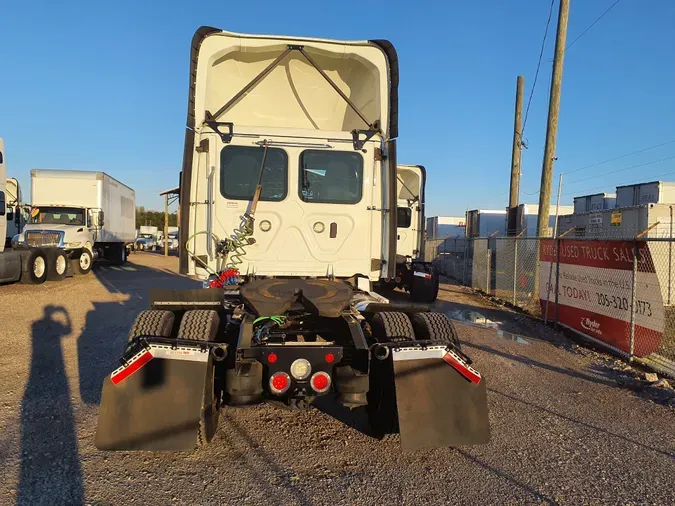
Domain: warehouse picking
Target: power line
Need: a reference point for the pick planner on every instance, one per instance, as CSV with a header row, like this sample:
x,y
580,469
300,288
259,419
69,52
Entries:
x,y
619,157
592,24
612,160
536,74
622,170
642,180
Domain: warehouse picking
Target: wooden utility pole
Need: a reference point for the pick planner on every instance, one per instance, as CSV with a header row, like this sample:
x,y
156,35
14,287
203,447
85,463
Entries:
x,y
514,188
552,125
166,225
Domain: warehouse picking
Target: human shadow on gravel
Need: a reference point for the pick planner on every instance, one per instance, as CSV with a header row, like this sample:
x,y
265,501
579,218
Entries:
x,y
50,464
106,328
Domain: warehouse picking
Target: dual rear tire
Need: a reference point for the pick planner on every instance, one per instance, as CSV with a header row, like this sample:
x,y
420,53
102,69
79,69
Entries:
x,y
398,327
196,325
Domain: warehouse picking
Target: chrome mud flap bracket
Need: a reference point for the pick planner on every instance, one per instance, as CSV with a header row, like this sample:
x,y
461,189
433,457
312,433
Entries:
x,y
441,399
154,400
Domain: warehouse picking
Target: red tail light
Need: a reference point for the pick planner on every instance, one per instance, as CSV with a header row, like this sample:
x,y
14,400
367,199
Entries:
x,y
279,383
320,382
330,358
272,357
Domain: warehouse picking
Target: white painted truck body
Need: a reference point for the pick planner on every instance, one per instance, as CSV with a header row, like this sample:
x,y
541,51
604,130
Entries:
x,y
410,194
93,192
324,207
10,260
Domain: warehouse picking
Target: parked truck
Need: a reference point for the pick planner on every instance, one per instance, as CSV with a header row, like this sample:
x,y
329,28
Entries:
x,y
28,266
15,210
288,212
88,215
146,240
413,274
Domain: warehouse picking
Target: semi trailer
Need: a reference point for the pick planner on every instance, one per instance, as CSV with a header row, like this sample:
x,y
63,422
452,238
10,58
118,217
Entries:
x,y
288,212
86,215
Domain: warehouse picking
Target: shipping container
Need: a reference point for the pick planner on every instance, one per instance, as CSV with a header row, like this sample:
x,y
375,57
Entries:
x,y
528,216
656,192
440,227
485,223
621,223
595,202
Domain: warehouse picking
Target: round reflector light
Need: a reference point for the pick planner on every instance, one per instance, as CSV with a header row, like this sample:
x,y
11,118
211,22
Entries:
x,y
271,358
301,369
330,358
320,382
279,382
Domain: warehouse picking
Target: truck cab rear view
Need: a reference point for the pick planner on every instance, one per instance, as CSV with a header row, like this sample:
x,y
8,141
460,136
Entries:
x,y
288,214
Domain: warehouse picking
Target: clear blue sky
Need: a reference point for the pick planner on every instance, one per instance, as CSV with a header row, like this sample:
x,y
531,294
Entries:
x,y
103,86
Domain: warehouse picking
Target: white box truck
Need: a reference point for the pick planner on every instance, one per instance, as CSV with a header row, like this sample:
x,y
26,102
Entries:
x,y
86,214
146,240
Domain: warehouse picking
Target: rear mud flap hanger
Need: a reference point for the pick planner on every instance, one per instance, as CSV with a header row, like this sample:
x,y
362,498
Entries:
x,y
211,119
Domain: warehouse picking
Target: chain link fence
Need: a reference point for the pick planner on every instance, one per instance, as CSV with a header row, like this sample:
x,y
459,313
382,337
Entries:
x,y
619,293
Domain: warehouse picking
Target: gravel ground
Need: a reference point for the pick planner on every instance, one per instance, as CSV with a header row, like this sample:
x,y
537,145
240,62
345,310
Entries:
x,y
570,426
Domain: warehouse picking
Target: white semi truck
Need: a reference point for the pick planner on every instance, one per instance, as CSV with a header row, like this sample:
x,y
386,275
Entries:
x,y
15,210
87,215
413,274
288,212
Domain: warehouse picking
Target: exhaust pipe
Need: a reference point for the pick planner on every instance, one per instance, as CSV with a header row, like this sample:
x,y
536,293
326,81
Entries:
x,y
219,353
381,352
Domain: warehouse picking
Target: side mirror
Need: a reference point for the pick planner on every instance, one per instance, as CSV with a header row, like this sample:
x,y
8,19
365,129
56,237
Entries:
x,y
100,218
88,219
10,215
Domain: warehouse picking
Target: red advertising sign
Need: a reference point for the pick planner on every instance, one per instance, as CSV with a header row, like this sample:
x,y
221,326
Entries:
x,y
595,291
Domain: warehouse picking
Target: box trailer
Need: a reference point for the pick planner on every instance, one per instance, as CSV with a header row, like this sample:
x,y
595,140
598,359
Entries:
x,y
595,202
485,223
87,214
656,192
441,227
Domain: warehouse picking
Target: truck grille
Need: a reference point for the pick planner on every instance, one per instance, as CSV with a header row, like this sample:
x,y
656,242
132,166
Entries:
x,y
40,239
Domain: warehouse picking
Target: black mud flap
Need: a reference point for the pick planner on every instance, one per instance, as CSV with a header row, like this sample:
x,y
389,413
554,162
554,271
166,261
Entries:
x,y
154,402
442,401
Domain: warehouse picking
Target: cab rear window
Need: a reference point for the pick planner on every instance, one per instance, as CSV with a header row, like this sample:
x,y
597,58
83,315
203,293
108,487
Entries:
x,y
240,169
331,177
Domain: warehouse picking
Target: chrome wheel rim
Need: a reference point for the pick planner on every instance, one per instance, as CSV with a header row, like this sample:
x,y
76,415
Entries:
x,y
39,267
85,261
60,265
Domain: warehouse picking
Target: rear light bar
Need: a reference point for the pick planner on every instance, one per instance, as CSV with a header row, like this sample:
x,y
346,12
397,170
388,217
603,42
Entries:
x,y
442,352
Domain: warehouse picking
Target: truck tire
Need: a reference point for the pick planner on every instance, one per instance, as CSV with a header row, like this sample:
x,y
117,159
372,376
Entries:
x,y
152,322
82,265
199,325
382,410
435,326
202,325
424,289
117,254
35,269
57,264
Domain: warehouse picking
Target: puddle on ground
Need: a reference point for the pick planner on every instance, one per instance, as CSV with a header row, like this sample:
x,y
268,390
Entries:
x,y
480,320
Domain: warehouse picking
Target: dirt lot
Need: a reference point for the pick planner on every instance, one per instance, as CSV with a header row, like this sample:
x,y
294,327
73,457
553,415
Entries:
x,y
569,426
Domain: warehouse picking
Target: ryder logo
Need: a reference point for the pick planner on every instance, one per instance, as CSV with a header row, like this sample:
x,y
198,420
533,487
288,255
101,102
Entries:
x,y
591,325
